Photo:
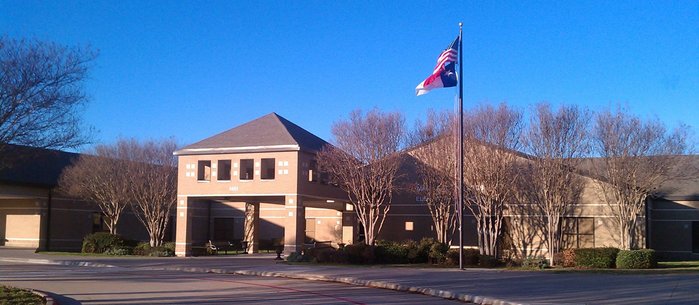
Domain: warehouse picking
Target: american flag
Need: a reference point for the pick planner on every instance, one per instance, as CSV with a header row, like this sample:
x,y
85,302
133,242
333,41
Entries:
x,y
444,74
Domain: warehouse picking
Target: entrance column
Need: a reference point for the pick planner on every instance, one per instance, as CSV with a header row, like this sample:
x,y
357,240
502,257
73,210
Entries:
x,y
348,221
183,235
252,224
294,224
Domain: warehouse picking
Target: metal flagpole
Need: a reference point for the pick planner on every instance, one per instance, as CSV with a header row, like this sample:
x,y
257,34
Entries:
x,y
461,149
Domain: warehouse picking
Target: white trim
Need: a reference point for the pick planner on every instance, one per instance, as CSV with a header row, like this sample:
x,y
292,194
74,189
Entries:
x,y
244,148
232,195
675,220
20,238
319,217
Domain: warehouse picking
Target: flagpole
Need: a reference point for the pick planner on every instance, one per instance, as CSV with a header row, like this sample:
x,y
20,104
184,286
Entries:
x,y
461,148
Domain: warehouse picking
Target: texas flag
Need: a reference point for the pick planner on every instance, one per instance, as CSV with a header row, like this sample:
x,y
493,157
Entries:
x,y
444,74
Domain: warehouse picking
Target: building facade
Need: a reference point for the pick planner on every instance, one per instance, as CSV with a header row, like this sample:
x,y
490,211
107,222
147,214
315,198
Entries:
x,y
259,182
35,214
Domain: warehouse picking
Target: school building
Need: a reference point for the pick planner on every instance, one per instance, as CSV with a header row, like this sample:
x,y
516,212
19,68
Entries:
x,y
259,182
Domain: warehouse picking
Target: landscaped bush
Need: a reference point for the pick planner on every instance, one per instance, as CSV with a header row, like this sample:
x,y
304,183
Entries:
x,y
412,252
144,249
470,257
294,257
595,257
425,253
636,259
12,295
119,251
388,252
360,254
567,258
438,253
487,261
101,242
535,263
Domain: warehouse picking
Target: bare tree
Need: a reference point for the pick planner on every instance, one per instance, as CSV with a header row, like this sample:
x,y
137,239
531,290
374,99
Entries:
x,y
153,172
364,162
636,158
491,136
434,148
41,94
102,178
558,140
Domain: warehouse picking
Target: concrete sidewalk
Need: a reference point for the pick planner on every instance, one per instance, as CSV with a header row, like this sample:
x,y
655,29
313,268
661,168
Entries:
x,y
481,286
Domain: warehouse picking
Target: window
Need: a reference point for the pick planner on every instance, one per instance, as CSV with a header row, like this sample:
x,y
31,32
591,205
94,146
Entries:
x,y
408,225
204,167
310,230
224,170
579,232
695,236
313,171
246,169
267,169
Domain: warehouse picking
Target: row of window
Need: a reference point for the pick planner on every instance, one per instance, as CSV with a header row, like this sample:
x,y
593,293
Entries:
x,y
246,171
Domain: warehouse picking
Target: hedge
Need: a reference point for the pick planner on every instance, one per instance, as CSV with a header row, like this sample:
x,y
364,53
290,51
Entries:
x,y
598,258
385,252
101,242
470,257
144,249
636,259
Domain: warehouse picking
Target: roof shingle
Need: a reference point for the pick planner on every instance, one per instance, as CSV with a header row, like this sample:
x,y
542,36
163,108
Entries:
x,y
267,133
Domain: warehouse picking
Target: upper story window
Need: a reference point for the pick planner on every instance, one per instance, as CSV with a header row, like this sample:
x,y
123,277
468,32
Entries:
x,y
247,169
313,171
267,167
204,170
224,170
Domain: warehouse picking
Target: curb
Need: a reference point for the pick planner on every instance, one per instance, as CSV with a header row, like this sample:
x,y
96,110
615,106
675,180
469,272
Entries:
x,y
53,262
48,300
444,294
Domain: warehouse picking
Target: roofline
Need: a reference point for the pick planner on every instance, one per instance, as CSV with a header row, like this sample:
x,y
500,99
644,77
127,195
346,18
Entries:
x,y
244,149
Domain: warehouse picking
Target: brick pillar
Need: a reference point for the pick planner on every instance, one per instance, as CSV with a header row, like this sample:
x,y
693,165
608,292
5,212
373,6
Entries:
x,y
294,224
183,235
252,224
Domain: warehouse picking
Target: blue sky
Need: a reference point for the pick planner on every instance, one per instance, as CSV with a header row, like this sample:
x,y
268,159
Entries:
x,y
192,69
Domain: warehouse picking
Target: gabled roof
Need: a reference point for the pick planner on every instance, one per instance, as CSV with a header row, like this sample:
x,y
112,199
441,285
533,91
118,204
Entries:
x,y
33,166
268,133
681,183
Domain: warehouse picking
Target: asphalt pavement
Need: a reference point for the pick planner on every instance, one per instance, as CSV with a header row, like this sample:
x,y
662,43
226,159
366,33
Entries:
x,y
482,286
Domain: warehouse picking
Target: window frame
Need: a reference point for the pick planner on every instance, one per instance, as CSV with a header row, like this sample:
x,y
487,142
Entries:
x,y
575,234
201,171
265,170
220,169
243,169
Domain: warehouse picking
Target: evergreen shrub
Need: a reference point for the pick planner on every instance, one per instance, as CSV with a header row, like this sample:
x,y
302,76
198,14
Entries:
x,y
101,242
636,259
597,258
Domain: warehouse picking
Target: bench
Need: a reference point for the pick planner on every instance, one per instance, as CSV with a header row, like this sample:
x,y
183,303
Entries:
x,y
315,246
214,247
